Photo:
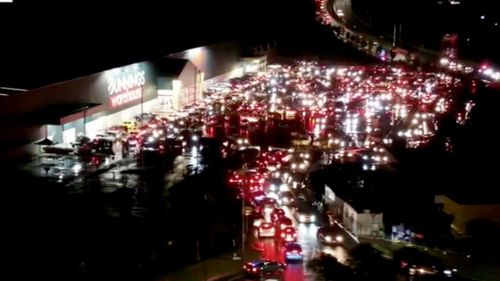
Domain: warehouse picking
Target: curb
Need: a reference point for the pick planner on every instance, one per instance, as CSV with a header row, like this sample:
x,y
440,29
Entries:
x,y
229,276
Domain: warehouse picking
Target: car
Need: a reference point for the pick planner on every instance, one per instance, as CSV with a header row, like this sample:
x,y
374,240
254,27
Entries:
x,y
287,198
293,252
257,197
263,267
258,219
305,214
266,229
269,203
289,234
330,235
415,262
129,125
277,214
283,223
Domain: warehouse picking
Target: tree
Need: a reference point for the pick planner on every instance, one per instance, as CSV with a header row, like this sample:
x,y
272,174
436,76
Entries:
x,y
369,264
480,228
327,267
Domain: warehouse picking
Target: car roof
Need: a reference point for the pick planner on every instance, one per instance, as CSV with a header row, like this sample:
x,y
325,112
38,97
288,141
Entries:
x,y
285,218
293,246
260,261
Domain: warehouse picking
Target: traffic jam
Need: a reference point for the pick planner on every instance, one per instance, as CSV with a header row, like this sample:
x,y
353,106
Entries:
x,y
330,115
284,123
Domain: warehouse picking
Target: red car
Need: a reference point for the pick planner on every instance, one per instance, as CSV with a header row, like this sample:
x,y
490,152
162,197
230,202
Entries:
x,y
289,234
283,223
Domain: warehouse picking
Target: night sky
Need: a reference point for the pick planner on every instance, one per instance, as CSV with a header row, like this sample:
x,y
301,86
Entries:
x,y
45,40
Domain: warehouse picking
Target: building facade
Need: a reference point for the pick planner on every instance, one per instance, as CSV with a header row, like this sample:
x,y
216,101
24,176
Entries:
x,y
88,105
465,210
354,213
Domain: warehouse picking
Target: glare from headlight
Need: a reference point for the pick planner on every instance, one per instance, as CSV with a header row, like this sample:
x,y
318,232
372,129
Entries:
x,y
328,239
312,218
447,272
339,238
302,218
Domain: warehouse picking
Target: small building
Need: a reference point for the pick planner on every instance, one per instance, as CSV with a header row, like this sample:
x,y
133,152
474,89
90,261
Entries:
x,y
358,210
467,207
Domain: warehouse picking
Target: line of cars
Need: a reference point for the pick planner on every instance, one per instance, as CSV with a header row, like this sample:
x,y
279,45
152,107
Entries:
x,y
267,193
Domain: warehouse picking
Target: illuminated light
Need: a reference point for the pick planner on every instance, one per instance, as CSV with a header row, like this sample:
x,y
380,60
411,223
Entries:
x,y
339,238
444,61
488,71
77,168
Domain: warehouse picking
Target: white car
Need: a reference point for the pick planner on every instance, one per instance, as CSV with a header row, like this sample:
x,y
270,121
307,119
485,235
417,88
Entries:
x,y
266,230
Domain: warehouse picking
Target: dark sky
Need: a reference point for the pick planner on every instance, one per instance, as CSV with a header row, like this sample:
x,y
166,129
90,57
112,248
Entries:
x,y
42,38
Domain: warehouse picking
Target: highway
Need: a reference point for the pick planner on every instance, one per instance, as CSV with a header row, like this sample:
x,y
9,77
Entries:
x,y
340,13
307,238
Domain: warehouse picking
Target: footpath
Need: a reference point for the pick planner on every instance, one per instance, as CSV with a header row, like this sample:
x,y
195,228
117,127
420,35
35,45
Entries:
x,y
219,268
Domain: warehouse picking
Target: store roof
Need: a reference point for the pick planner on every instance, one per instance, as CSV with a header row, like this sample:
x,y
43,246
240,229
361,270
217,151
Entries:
x,y
170,67
475,197
53,114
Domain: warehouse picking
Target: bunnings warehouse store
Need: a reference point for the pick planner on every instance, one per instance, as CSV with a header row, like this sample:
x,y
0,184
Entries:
x,y
88,105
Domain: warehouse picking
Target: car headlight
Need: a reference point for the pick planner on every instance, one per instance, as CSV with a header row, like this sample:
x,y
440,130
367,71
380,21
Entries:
x,y
328,239
312,218
339,238
447,272
302,218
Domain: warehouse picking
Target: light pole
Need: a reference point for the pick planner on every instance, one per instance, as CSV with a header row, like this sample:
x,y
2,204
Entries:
x,y
243,224
394,37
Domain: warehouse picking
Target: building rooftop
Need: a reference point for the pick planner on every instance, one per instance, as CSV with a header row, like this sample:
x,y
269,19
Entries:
x,y
475,198
170,67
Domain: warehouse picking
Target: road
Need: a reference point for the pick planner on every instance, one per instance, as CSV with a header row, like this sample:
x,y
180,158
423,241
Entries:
x,y
274,250
468,268
351,23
